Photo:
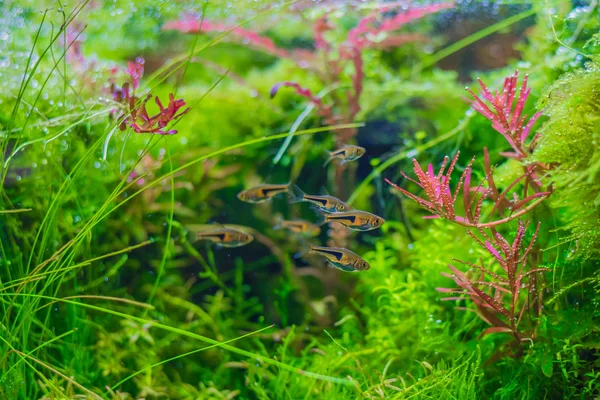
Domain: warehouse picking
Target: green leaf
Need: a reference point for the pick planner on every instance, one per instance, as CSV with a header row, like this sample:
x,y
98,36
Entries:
x,y
547,364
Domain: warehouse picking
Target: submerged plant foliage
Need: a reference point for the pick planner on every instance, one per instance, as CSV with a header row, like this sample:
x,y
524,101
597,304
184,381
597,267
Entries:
x,y
501,298
502,301
136,115
569,143
106,293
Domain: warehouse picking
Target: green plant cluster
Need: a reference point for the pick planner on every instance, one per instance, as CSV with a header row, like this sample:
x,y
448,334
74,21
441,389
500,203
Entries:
x,y
105,294
569,143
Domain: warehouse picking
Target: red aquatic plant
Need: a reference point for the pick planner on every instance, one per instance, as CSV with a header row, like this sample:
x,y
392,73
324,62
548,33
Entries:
x,y
324,110
501,298
442,202
505,111
509,122
329,61
190,24
371,33
136,114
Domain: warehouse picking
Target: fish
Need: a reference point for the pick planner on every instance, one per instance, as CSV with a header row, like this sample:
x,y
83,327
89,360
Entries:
x,y
262,193
346,153
325,203
341,258
226,237
299,226
355,220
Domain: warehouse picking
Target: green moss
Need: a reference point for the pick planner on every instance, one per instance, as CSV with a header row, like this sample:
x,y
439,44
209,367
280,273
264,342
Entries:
x,y
570,144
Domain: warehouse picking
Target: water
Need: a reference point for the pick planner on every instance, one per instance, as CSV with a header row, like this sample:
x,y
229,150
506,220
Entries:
x,y
462,234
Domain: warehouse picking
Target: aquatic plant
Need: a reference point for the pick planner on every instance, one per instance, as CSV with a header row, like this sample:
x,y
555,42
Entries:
x,y
136,115
501,298
441,201
104,293
569,142
330,61
509,297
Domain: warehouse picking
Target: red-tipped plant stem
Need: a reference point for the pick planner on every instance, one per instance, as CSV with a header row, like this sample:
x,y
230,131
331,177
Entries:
x,y
135,114
505,110
502,306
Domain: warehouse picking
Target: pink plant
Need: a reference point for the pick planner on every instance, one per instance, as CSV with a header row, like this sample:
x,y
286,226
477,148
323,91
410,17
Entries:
x,y
136,71
302,91
142,122
192,25
507,116
73,38
137,115
367,33
441,202
501,298
324,110
371,32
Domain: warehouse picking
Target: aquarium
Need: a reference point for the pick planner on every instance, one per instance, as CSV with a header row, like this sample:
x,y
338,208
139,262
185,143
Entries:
x,y
299,199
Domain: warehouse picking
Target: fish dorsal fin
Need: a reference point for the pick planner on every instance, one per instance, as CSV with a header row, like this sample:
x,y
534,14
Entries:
x,y
218,224
323,191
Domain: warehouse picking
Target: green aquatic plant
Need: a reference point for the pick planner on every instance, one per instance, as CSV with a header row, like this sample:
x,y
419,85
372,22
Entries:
x,y
569,143
104,295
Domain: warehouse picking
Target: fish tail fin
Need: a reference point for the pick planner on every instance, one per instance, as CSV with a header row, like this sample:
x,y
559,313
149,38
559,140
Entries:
x,y
330,156
321,220
278,222
296,194
305,248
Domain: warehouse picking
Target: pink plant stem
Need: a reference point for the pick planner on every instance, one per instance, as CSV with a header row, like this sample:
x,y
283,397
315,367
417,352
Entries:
x,y
504,220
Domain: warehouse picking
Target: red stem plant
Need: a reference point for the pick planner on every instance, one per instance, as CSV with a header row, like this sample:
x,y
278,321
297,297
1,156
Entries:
x,y
328,61
337,65
135,113
502,296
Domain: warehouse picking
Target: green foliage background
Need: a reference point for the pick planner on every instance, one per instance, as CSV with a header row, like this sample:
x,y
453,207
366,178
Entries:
x,y
103,295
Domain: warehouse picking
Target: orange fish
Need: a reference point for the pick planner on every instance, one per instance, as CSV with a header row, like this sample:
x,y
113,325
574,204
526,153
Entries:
x,y
300,226
226,237
262,193
341,258
355,220
324,202
346,153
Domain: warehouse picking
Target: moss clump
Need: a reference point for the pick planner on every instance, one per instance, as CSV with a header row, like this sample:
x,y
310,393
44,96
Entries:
x,y
570,143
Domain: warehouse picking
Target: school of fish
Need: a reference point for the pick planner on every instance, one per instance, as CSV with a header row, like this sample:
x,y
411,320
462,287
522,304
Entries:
x,y
331,209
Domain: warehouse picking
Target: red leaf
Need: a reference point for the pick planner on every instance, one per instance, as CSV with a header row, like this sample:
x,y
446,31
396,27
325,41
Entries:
x,y
495,329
